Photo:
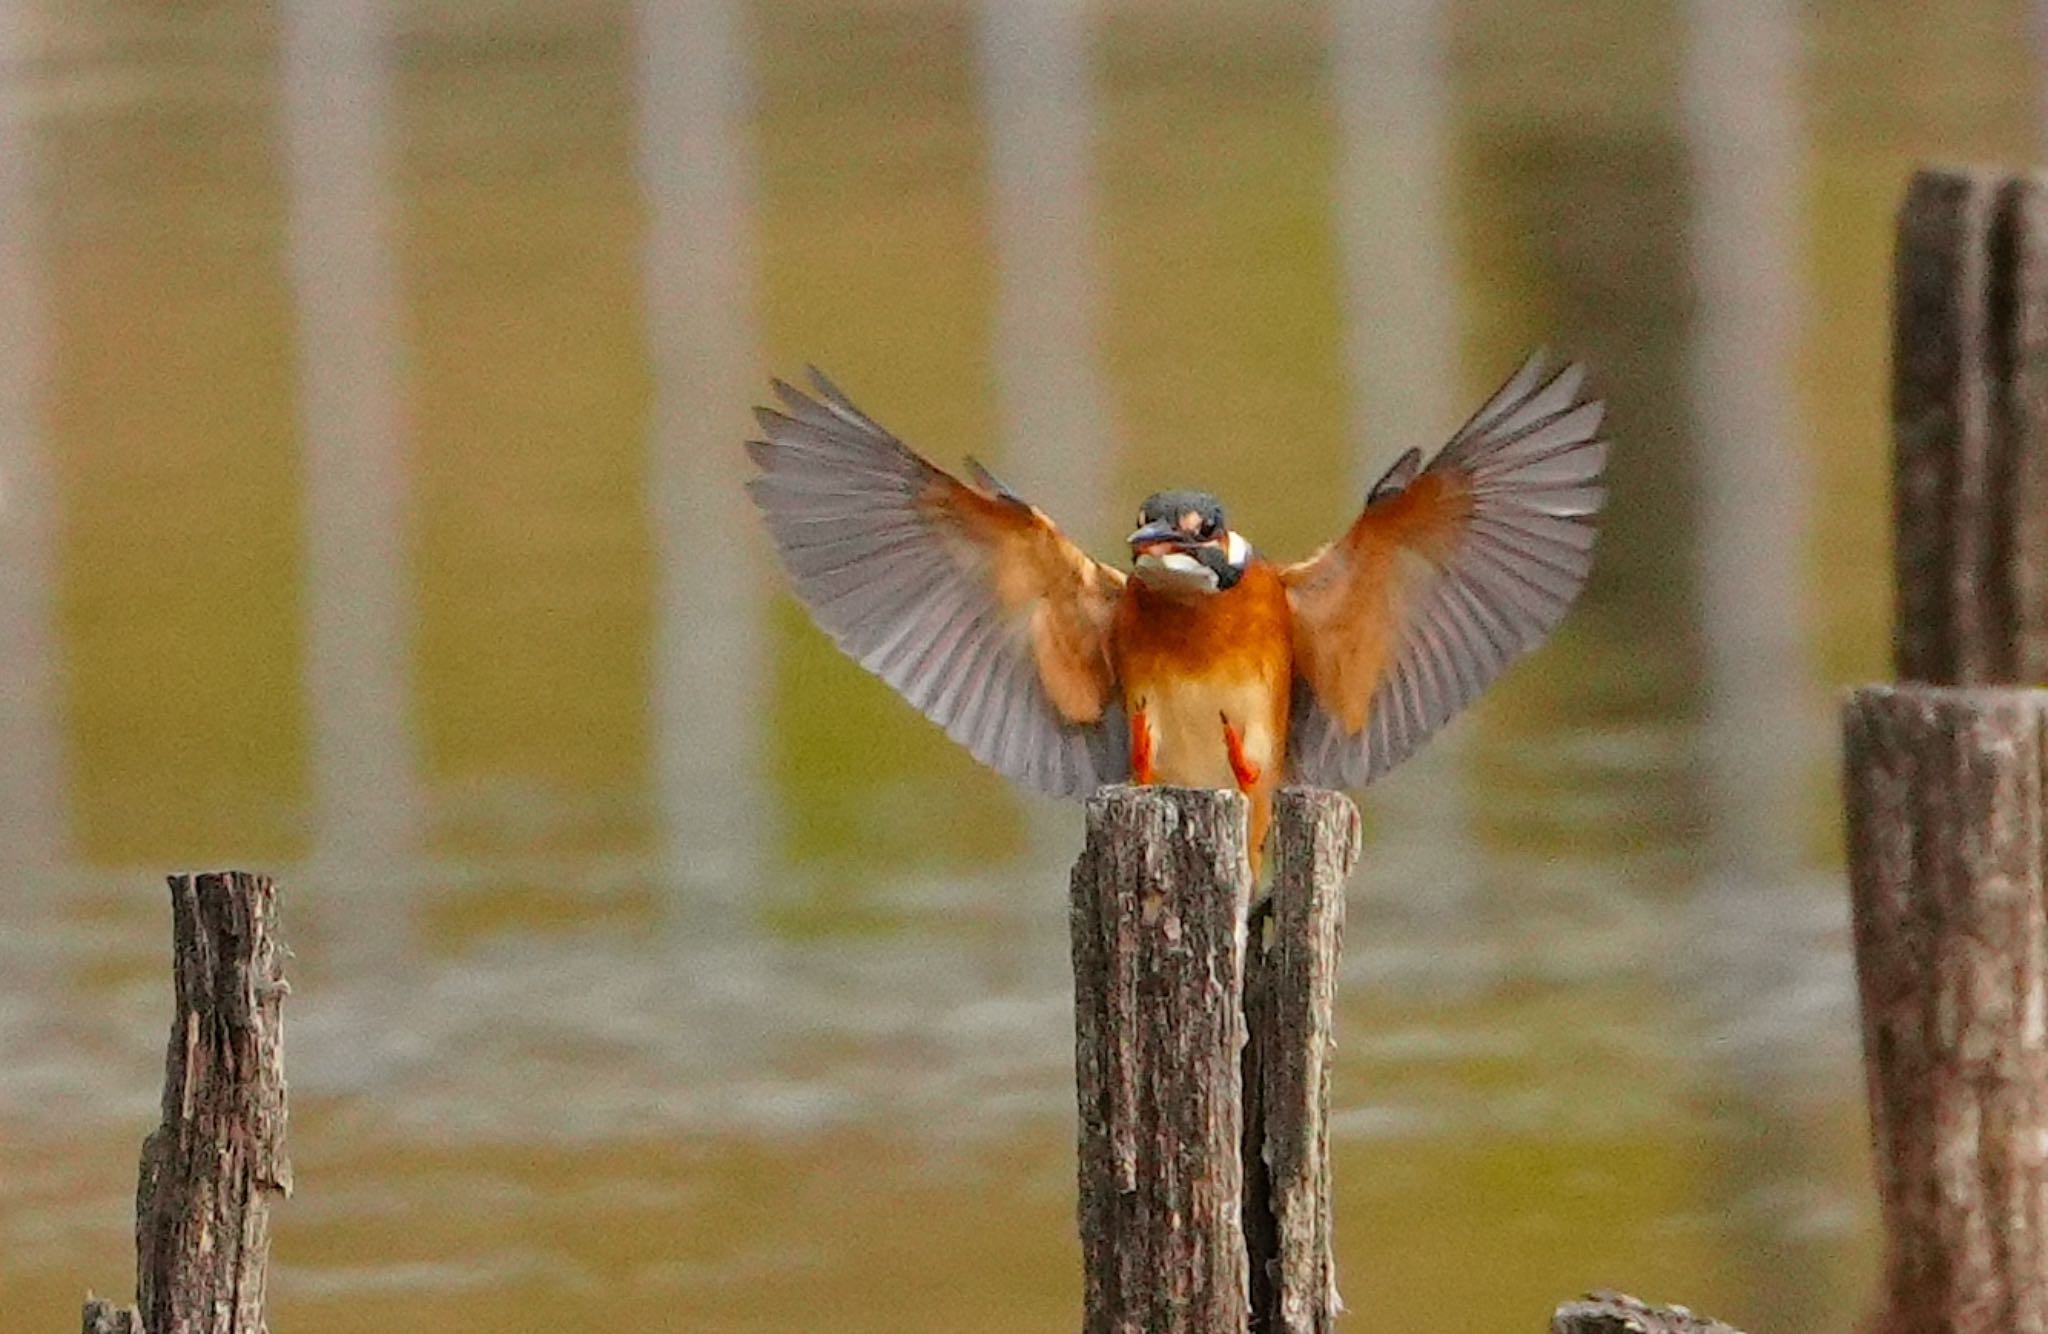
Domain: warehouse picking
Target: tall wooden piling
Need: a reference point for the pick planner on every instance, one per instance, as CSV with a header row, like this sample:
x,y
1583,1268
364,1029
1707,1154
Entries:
x,y
1159,901
1204,1158
1944,785
1946,842
202,1204
1291,991
1970,429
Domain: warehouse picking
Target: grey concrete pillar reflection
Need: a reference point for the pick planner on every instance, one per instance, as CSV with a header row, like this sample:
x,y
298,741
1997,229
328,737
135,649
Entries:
x,y
1752,963
336,87
1390,78
1039,106
1058,447
34,777
711,672
1761,724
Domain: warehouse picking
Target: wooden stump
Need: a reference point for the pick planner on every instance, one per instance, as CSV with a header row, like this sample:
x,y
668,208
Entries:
x,y
1290,995
1970,429
1202,1081
103,1317
1618,1313
1158,914
202,1207
1944,786
1946,860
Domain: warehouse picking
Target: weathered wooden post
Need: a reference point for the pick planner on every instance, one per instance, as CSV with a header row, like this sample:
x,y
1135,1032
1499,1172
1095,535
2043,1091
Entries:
x,y
1946,850
202,1204
1159,900
1204,1162
1944,775
1290,995
1970,429
1618,1313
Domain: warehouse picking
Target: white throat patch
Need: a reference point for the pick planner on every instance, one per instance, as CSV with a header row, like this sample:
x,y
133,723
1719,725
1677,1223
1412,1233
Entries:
x,y
1178,571
1238,551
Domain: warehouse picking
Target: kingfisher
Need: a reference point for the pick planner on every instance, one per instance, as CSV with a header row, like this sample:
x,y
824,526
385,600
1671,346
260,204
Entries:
x,y
1206,664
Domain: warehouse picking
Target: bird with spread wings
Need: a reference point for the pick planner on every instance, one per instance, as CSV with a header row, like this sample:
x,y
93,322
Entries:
x,y
1207,664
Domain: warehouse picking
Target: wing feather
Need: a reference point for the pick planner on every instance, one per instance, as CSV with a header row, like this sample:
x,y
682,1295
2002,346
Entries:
x,y
1446,577
966,600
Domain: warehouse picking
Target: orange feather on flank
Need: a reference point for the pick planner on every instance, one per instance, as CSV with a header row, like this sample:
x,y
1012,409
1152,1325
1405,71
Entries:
x,y
1036,573
1352,610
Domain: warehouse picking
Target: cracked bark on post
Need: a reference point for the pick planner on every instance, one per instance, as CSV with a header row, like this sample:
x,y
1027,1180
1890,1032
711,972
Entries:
x,y
1290,994
1944,786
1204,1157
202,1208
1970,429
1618,1313
103,1317
1946,861
1158,911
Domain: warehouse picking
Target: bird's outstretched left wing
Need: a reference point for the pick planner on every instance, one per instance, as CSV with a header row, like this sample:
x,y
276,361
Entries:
x,y
1450,572
964,598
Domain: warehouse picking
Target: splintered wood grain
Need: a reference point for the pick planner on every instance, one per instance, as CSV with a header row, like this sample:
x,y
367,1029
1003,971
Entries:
x,y
1291,993
1160,895
1618,1313
1946,858
1970,429
202,1206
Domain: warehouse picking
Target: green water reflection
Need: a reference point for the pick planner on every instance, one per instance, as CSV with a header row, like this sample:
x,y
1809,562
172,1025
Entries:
x,y
566,1044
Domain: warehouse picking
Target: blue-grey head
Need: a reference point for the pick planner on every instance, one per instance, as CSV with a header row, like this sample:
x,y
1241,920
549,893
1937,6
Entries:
x,y
1183,544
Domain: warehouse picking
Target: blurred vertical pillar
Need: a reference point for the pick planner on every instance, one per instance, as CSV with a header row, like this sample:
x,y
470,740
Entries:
x,y
1390,75
1054,407
1742,128
1038,102
33,778
1752,959
711,655
336,83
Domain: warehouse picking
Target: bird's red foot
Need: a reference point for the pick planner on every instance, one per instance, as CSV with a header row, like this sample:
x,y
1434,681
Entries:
x,y
1141,749
1241,766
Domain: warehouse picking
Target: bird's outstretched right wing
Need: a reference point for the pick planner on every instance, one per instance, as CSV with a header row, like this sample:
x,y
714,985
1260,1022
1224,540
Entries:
x,y
964,598
1451,572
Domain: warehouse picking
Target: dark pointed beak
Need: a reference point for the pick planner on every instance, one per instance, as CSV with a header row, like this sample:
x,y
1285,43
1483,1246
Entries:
x,y
1153,534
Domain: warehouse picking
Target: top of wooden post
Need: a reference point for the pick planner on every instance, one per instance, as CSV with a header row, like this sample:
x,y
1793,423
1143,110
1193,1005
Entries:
x,y
1970,428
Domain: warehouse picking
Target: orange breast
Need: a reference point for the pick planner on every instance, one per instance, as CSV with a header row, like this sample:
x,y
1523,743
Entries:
x,y
1245,629
1187,663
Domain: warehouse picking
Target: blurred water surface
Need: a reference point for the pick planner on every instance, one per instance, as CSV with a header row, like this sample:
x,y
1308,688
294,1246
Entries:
x,y
371,376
